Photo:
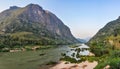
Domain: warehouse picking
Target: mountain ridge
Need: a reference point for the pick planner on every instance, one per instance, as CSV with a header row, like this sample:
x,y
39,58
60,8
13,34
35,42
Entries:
x,y
108,35
35,26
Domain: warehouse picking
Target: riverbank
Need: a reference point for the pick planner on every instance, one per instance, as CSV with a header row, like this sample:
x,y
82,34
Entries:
x,y
79,59
82,65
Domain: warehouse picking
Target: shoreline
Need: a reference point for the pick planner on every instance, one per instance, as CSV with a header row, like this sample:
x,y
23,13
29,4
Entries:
x,y
82,65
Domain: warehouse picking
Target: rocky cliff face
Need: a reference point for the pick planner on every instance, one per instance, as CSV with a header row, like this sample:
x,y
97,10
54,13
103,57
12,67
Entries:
x,y
33,23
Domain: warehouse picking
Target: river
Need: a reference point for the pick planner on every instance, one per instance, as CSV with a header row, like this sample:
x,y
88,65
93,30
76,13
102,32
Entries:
x,y
33,59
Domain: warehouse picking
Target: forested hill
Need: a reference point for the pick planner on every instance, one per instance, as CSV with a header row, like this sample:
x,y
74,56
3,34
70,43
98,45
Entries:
x,y
108,36
32,25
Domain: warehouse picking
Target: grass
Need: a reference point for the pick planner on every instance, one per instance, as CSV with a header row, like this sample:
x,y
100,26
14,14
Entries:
x,y
113,59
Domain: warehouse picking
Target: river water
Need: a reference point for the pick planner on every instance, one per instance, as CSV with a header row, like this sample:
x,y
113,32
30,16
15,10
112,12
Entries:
x,y
84,51
33,60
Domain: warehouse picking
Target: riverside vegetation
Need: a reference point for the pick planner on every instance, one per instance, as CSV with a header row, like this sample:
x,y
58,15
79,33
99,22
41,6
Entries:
x,y
40,34
106,45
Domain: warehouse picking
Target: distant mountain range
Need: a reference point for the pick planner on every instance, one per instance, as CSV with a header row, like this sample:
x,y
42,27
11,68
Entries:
x,y
81,40
109,35
32,25
85,40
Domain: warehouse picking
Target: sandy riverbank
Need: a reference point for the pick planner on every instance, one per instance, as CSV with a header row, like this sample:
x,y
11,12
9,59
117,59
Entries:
x,y
82,65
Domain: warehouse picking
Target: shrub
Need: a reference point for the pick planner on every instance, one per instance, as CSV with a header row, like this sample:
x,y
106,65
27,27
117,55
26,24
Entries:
x,y
115,63
51,63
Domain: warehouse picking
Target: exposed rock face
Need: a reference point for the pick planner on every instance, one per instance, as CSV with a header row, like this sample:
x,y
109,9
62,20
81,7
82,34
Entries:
x,y
43,24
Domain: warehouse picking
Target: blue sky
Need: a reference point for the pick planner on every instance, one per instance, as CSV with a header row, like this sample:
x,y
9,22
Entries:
x,y
83,17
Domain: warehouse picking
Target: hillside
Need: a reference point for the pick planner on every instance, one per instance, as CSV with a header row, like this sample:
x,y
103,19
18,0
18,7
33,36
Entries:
x,y
109,35
106,45
32,25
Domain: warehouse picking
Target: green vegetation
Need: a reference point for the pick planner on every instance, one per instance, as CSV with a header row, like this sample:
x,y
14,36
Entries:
x,y
73,55
24,39
82,58
106,45
19,29
107,50
51,63
75,45
27,48
112,59
70,59
106,54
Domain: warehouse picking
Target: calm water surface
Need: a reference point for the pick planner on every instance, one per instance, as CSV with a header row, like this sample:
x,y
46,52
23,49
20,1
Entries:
x,y
32,59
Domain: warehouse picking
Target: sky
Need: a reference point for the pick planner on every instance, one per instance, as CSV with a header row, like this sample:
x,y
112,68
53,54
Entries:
x,y
83,17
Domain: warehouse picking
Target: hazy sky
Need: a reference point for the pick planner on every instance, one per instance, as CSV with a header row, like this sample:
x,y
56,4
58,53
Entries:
x,y
83,17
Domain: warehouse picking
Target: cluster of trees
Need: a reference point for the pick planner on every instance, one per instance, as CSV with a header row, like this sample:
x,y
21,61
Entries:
x,y
99,49
107,53
11,41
